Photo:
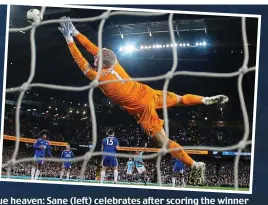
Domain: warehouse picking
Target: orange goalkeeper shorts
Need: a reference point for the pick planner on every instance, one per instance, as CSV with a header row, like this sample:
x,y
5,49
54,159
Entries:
x,y
146,114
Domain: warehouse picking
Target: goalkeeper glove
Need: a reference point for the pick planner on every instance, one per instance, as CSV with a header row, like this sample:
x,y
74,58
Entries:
x,y
65,29
72,27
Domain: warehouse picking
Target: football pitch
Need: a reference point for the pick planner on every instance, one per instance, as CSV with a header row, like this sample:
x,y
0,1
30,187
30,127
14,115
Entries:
x,y
73,181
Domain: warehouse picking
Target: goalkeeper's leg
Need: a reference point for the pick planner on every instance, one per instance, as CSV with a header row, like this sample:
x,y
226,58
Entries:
x,y
173,99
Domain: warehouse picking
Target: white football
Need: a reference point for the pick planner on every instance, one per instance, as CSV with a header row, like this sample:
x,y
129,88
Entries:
x,y
34,16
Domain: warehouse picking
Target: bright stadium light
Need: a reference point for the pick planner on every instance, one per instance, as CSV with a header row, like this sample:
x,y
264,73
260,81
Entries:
x,y
84,112
188,44
71,111
149,47
77,112
154,46
176,44
141,47
145,47
160,46
184,44
85,104
197,44
167,45
130,48
204,43
164,46
121,49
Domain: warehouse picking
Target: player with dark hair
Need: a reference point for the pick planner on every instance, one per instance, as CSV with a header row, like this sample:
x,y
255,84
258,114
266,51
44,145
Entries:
x,y
41,146
67,165
178,173
136,98
109,145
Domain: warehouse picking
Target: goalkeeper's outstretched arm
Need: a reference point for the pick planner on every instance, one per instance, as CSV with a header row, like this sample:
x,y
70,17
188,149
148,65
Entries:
x,y
90,47
83,64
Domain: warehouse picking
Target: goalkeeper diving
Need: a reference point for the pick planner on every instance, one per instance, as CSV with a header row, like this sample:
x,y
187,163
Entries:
x,y
138,99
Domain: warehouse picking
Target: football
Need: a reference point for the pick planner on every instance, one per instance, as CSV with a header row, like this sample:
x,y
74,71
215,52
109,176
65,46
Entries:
x,y
34,16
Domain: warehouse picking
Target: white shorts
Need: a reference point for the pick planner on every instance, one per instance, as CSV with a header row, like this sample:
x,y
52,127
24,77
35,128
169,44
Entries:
x,y
141,169
129,171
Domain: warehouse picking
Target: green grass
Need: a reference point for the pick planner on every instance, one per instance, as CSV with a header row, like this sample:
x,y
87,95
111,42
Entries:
x,y
126,184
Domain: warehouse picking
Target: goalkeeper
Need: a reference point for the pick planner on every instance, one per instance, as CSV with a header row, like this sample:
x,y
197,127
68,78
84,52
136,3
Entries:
x,y
136,98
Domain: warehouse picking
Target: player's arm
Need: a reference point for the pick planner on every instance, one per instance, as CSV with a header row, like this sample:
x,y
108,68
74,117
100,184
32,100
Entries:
x,y
48,150
90,47
37,145
82,63
145,146
62,154
72,155
116,144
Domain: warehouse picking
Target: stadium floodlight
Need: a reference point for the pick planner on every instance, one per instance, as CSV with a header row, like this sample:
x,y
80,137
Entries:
x,y
154,46
129,48
141,47
176,44
34,109
77,112
85,104
29,110
149,47
188,44
204,43
160,46
180,44
206,118
47,111
164,46
167,45
121,49
56,108
145,47
71,111
197,44
49,107
84,112
184,44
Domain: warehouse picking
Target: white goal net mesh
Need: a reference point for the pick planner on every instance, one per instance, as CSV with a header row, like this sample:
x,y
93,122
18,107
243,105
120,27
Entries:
x,y
243,70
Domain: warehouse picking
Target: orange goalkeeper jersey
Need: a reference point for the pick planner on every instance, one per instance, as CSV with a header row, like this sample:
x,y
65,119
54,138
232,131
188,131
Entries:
x,y
131,95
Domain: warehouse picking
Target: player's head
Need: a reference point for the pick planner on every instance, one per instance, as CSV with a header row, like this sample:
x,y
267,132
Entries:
x,y
68,147
110,132
108,58
130,159
44,134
